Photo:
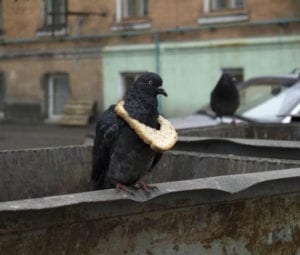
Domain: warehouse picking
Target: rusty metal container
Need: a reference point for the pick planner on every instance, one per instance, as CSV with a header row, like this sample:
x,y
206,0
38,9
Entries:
x,y
269,131
206,203
255,140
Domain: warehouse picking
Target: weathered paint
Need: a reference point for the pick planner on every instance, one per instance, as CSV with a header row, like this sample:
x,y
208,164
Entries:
x,y
242,147
191,69
266,131
56,171
205,204
241,214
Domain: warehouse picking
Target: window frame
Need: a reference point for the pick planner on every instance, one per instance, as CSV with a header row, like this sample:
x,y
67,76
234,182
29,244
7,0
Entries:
x,y
49,94
140,20
236,13
237,72
50,15
214,5
48,27
140,9
229,5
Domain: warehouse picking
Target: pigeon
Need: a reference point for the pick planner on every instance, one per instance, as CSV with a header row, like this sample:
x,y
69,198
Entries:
x,y
224,98
120,157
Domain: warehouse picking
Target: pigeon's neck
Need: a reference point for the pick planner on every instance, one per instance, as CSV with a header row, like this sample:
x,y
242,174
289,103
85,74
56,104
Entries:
x,y
142,108
225,90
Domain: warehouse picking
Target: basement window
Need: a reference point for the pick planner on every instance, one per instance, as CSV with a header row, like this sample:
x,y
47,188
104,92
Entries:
x,y
237,73
223,11
131,15
57,92
54,13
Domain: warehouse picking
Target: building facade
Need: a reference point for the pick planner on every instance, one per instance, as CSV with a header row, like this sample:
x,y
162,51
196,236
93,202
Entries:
x,y
53,50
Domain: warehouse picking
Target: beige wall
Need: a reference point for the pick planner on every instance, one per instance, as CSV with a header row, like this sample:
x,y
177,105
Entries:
x,y
23,19
25,77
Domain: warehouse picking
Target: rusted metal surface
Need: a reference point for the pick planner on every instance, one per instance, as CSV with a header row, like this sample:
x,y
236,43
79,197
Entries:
x,y
43,172
243,147
215,204
182,165
255,213
55,171
250,131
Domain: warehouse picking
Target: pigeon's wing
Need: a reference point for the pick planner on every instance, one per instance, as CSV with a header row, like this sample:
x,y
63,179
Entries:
x,y
107,130
156,159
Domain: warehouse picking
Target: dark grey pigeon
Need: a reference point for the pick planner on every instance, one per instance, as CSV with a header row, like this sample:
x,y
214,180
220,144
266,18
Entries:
x,y
120,157
225,99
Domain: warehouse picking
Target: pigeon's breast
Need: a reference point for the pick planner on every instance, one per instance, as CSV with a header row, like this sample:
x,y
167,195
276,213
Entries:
x,y
131,159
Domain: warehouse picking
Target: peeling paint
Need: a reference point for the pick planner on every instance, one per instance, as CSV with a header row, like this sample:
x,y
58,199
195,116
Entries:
x,y
266,225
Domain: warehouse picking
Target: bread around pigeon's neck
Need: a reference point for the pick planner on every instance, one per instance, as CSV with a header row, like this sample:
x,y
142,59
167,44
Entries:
x,y
142,107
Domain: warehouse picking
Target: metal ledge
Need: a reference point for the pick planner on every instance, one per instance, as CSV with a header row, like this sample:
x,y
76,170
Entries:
x,y
230,184
258,148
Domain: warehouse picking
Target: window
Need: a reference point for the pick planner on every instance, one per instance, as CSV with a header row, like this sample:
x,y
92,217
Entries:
x,y
237,73
223,11
131,14
218,4
57,93
226,4
55,12
2,93
135,8
237,3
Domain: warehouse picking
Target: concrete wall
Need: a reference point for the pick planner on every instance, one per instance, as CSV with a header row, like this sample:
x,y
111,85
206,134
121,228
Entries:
x,y
190,70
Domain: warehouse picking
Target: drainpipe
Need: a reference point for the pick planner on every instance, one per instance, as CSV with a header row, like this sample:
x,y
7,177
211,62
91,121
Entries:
x,y
157,62
157,53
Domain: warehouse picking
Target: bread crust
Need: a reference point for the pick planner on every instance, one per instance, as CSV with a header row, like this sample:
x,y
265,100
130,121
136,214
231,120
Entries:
x,y
159,140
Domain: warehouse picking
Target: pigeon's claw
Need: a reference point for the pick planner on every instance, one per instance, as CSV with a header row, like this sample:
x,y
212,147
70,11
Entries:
x,y
233,122
122,187
146,187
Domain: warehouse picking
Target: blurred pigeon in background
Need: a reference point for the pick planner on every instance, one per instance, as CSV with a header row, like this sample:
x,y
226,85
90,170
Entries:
x,y
224,98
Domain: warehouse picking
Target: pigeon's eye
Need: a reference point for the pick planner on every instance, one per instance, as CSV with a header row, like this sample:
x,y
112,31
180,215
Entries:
x,y
150,82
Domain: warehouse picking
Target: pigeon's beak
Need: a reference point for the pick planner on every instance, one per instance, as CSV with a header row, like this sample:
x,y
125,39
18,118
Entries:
x,y
161,91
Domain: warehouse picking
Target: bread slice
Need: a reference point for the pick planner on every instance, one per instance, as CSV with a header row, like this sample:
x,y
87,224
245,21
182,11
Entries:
x,y
159,140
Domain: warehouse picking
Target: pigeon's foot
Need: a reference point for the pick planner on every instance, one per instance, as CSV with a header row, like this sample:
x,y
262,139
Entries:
x,y
221,120
146,187
233,122
124,188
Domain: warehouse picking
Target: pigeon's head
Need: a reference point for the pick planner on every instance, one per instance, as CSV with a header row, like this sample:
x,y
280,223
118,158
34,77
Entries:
x,y
227,79
151,84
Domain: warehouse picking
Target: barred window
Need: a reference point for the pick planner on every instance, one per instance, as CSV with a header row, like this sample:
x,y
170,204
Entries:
x,y
55,12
